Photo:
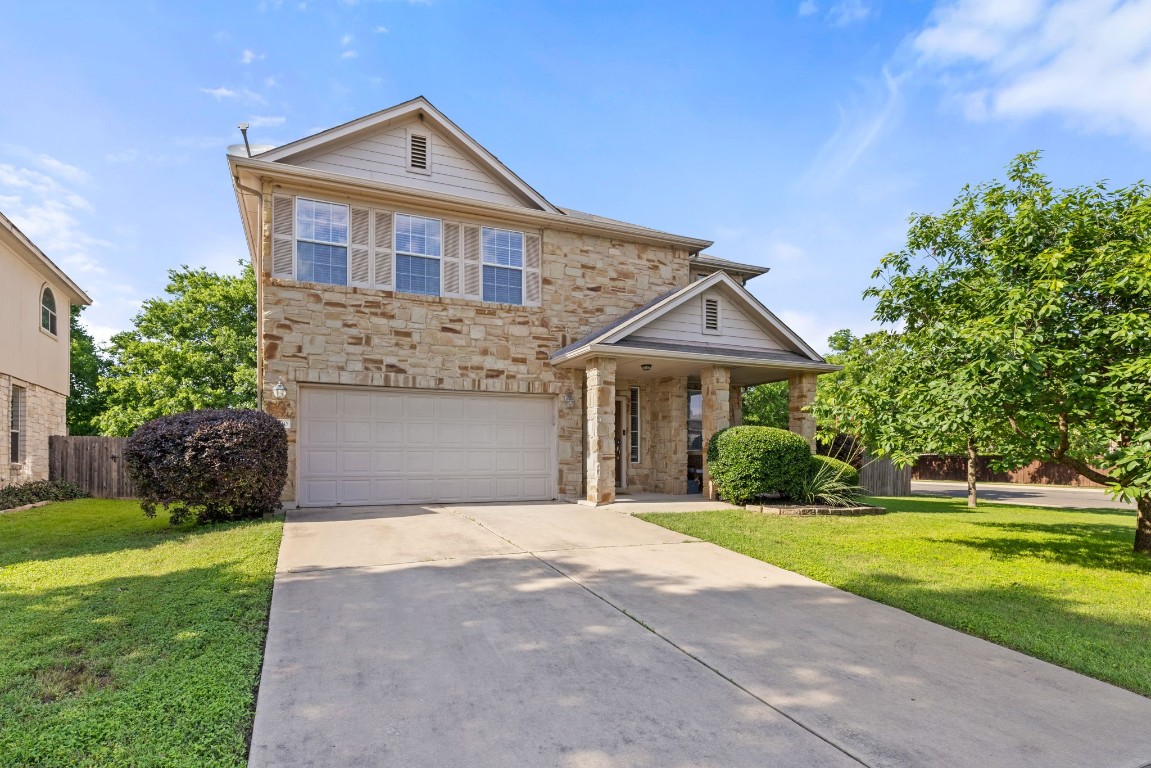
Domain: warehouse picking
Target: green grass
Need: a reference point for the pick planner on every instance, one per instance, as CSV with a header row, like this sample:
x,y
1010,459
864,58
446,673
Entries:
x,y
1060,585
127,642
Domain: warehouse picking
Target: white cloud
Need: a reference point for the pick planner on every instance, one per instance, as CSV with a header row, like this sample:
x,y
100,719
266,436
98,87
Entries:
x,y
1086,60
248,56
860,125
220,93
223,92
353,53
346,40
266,121
381,30
847,12
807,8
43,204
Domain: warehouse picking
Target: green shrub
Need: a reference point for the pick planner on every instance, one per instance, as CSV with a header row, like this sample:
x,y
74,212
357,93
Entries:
x,y
218,464
848,473
827,483
35,491
745,462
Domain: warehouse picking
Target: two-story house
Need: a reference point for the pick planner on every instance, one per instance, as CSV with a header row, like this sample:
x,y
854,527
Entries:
x,y
434,330
36,299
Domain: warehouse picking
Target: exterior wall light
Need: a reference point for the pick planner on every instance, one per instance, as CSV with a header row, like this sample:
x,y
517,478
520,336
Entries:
x,y
279,391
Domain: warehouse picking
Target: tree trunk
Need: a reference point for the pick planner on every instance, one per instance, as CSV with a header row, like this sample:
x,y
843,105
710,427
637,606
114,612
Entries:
x,y
972,462
1143,525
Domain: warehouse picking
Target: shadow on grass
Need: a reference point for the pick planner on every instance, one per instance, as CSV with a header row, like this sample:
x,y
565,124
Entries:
x,y
91,527
951,505
1087,545
140,670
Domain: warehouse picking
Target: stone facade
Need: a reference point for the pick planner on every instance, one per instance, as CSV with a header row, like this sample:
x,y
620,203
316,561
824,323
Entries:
x,y
44,415
364,337
601,431
801,396
715,386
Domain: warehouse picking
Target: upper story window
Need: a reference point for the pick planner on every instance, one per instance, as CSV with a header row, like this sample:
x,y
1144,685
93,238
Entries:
x,y
419,248
503,259
16,420
321,242
48,311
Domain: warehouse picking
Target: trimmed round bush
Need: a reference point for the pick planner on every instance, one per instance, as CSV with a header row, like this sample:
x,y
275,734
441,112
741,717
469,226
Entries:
x,y
215,464
847,473
745,462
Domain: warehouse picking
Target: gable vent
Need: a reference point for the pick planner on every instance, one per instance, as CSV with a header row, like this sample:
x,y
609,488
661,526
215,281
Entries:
x,y
711,315
419,151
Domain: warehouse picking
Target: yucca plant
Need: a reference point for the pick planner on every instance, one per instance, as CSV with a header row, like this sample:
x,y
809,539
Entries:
x,y
827,484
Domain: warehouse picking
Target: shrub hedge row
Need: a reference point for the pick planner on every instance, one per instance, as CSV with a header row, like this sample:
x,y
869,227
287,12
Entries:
x,y
13,496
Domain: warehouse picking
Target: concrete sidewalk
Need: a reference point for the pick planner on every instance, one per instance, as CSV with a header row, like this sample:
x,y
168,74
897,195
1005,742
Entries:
x,y
551,634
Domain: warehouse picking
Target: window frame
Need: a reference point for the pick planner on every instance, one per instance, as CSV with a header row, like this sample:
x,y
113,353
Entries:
x,y
297,238
17,422
53,317
397,253
484,264
634,426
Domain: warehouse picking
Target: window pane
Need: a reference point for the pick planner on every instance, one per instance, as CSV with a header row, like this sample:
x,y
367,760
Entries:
x,y
326,222
415,274
503,247
320,263
505,286
417,235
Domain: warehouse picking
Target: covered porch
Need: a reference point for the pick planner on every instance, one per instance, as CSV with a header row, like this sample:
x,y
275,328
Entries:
x,y
660,382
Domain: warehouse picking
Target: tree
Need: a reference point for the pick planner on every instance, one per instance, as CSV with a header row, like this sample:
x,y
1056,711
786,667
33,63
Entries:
x,y
1047,294
88,365
195,349
766,405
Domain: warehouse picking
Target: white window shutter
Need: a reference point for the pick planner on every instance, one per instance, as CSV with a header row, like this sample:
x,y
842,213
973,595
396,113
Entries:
x,y
283,237
451,259
382,249
472,272
359,248
532,292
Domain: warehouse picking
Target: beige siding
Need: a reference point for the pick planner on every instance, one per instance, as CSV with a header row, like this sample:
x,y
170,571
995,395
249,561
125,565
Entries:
x,y
383,157
26,352
685,324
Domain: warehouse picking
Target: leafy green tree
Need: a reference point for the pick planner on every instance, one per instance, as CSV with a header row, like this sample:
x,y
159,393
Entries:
x,y
766,405
1035,303
194,349
89,364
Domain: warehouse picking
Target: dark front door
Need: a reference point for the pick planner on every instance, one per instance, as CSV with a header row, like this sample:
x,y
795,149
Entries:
x,y
620,445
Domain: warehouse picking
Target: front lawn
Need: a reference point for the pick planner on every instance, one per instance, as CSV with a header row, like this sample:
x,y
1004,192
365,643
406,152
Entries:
x,y
1061,585
127,642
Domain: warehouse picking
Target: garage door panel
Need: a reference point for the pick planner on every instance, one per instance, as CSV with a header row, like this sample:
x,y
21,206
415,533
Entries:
x,y
355,432
360,446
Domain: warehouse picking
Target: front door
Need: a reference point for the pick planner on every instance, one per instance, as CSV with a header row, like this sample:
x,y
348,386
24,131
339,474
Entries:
x,y
621,445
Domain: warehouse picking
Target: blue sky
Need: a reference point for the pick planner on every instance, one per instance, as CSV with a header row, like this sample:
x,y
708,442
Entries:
x,y
798,135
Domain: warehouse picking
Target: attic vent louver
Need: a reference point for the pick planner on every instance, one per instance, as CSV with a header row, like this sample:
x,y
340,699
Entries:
x,y
419,152
711,315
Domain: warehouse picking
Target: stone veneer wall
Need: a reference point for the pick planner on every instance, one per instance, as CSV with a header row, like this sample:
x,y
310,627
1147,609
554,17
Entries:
x,y
44,415
364,337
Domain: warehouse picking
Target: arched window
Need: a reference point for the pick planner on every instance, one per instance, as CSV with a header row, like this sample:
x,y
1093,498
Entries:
x,y
48,311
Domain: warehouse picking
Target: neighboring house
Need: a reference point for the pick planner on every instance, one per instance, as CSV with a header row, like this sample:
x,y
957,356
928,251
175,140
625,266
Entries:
x,y
36,299
439,332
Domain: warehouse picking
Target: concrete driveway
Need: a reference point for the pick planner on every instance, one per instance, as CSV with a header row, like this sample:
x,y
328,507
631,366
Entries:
x,y
558,635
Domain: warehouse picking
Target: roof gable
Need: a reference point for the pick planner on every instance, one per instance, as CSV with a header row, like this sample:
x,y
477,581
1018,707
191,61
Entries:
x,y
677,319
375,147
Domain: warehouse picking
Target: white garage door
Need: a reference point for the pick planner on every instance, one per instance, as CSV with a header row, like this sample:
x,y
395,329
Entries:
x,y
359,446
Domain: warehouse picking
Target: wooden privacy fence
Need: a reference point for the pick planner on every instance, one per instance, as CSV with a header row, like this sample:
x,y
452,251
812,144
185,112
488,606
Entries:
x,y
881,478
96,464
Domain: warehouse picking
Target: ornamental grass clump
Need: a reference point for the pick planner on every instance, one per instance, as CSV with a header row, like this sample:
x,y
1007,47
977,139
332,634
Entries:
x,y
830,482
214,464
746,462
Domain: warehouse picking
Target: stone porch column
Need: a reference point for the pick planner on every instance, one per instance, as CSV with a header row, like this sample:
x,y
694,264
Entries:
x,y
600,372
715,386
801,396
736,406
